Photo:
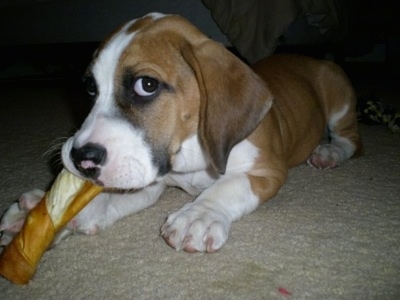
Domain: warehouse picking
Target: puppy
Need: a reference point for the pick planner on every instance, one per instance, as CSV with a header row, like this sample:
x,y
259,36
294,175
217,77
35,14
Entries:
x,y
174,108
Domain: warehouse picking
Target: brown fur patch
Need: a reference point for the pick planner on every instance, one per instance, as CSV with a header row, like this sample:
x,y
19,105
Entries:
x,y
172,116
140,24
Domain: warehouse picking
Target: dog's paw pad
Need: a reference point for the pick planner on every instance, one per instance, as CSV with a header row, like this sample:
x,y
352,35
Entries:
x,y
326,156
196,229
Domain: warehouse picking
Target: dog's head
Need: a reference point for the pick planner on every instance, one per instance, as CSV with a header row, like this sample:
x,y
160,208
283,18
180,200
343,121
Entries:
x,y
157,82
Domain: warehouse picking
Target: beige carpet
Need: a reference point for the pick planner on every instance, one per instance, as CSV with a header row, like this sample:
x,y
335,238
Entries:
x,y
327,235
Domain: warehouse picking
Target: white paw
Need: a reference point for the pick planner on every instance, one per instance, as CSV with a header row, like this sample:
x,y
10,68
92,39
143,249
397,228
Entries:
x,y
196,228
14,218
92,218
326,156
89,227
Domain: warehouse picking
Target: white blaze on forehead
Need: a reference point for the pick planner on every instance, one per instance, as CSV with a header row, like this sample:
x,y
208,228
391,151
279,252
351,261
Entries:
x,y
106,63
105,66
156,15
104,72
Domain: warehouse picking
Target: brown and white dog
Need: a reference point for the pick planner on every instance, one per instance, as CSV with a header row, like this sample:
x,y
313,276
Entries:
x,y
174,108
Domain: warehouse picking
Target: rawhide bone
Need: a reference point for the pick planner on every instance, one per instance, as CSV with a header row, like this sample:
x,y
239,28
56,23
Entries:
x,y
67,196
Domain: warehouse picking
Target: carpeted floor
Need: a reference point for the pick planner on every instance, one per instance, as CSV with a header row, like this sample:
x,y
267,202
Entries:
x,y
327,235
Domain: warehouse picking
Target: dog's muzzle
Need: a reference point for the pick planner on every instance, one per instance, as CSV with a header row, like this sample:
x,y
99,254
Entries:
x,y
88,159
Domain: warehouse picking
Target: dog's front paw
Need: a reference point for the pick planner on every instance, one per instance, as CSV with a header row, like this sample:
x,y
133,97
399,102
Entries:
x,y
196,228
14,218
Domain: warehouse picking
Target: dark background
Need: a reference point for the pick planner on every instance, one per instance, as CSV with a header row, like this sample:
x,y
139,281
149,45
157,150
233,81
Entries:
x,y
47,41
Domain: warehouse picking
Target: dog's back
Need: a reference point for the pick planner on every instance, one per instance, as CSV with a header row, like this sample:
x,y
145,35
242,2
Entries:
x,y
311,96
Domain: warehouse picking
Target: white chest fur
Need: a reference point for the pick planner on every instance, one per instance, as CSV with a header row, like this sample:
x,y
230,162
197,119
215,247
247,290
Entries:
x,y
190,169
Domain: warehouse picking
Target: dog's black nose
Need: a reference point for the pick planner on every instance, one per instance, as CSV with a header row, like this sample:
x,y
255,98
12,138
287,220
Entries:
x,y
88,158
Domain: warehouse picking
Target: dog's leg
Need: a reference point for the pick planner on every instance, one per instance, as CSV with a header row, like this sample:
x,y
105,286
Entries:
x,y
204,224
101,212
339,103
108,208
344,140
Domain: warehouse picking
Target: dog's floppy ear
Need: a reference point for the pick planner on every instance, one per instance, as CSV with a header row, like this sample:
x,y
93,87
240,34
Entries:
x,y
233,99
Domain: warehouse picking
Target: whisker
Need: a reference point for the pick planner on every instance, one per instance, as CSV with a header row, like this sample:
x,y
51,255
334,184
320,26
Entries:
x,y
55,147
53,153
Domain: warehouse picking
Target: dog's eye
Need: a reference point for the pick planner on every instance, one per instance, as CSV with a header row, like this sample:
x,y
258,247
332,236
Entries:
x,y
145,86
91,87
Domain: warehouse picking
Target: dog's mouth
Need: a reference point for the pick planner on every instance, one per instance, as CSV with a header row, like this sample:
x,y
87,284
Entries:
x,y
116,171
90,173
